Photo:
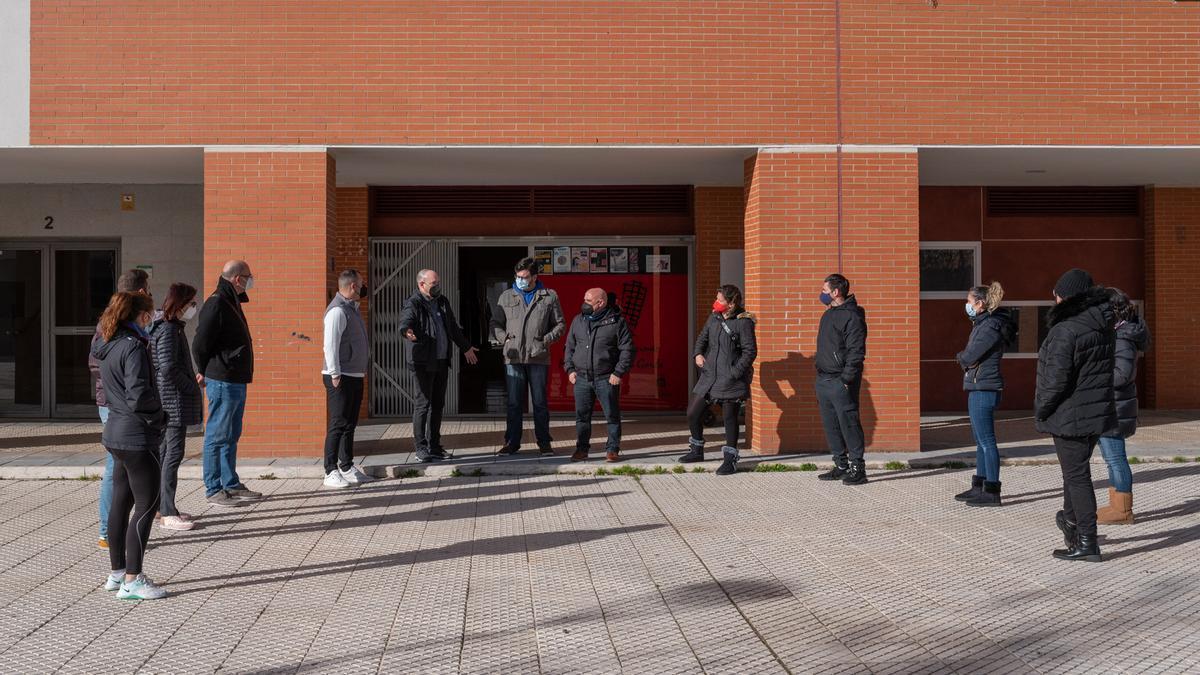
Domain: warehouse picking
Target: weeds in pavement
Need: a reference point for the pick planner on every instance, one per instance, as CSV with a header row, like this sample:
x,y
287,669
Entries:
x,y
89,477
267,476
455,473
896,466
698,469
1179,459
679,468
777,466
1136,460
410,473
954,465
808,466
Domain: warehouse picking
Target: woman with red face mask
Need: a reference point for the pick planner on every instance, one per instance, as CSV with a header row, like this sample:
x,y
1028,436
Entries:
x,y
724,352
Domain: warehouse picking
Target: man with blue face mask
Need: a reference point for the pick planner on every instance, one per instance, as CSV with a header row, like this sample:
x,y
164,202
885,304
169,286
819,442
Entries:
x,y
525,321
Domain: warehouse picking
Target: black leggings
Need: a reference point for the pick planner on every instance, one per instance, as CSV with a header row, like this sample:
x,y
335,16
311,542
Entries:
x,y
695,413
136,481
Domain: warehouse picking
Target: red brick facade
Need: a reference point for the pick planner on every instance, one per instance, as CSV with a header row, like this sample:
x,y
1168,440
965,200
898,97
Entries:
x,y
719,215
1172,278
277,210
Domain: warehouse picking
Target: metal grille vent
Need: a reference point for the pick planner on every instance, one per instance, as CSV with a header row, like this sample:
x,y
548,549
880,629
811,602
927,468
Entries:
x,y
1067,201
668,200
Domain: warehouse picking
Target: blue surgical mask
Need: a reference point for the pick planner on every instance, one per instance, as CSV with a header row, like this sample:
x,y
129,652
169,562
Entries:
x,y
523,283
826,298
971,312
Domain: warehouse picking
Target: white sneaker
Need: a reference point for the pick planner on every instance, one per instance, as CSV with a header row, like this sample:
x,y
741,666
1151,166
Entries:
x,y
334,480
355,476
140,588
114,581
176,523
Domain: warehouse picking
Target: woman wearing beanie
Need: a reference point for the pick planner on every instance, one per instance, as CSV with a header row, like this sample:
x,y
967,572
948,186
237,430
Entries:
x,y
725,351
1074,401
1132,337
993,329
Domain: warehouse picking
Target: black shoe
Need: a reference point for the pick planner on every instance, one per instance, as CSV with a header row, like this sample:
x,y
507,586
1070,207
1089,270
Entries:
x,y
1068,528
838,472
1086,548
856,474
545,451
425,455
729,466
976,488
989,497
508,449
695,453
439,453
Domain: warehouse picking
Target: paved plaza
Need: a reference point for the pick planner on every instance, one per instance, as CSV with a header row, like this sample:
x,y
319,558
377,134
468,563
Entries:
x,y
757,572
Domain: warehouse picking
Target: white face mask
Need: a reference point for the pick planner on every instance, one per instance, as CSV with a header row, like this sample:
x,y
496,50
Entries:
x,y
249,283
189,313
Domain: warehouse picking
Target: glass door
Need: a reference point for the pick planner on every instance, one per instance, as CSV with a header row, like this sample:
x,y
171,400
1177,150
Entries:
x,y
23,344
84,278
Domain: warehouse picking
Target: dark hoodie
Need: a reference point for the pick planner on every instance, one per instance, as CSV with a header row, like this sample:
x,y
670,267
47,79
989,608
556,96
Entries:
x,y
1132,337
980,360
135,415
729,348
842,341
1075,368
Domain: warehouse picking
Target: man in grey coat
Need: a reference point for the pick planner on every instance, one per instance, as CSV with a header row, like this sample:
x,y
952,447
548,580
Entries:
x,y
525,321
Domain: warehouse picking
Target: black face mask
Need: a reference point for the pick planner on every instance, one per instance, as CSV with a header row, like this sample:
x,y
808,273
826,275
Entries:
x,y
586,310
435,291
363,292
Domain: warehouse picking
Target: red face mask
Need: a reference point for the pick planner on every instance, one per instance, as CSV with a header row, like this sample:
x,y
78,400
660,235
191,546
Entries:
x,y
719,307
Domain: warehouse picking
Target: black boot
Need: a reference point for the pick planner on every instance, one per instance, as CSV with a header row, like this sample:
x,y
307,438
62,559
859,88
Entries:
x,y
729,466
1085,548
1068,529
695,452
856,474
976,488
426,456
838,472
989,497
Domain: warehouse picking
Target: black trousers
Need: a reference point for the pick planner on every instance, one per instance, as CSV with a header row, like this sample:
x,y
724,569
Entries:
x,y
695,414
1079,496
171,456
136,480
427,409
342,403
839,416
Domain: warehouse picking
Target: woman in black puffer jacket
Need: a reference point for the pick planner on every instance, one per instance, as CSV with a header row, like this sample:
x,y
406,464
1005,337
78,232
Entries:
x,y
1132,337
179,388
724,351
980,361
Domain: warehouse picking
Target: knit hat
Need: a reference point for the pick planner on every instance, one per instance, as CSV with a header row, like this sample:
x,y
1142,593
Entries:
x,y
1074,282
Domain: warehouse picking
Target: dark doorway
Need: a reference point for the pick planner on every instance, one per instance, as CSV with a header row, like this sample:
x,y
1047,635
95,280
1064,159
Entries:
x,y
485,273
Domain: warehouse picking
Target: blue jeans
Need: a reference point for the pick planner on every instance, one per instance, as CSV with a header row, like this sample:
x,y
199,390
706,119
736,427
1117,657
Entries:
x,y
981,406
1112,449
105,481
534,378
226,404
586,393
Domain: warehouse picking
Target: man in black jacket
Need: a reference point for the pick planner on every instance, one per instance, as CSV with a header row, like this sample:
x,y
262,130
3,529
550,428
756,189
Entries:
x,y
428,324
841,350
599,353
224,354
1074,400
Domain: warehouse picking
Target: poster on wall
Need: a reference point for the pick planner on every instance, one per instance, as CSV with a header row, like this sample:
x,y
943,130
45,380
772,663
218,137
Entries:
x,y
581,260
635,261
542,257
658,263
562,259
618,260
600,260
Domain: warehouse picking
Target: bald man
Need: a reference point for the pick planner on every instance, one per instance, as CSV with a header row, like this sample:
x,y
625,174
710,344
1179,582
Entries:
x,y
224,354
599,354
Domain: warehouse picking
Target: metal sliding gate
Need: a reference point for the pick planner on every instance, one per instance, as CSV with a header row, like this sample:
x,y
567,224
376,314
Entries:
x,y
394,264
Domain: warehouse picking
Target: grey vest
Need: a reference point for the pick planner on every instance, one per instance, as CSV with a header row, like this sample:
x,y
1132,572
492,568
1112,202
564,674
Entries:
x,y
354,349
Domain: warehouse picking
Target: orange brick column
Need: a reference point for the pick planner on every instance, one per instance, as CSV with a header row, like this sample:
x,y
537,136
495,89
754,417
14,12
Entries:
x,y
1172,219
720,213
791,245
350,252
277,211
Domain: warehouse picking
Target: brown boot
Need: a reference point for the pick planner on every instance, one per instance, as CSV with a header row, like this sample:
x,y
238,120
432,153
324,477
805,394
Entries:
x,y
1119,510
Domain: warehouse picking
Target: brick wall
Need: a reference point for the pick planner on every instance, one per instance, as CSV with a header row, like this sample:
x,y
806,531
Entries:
x,y
277,212
719,214
350,250
791,245
1172,277
645,71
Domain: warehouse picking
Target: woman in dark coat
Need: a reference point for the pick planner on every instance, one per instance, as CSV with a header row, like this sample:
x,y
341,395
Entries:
x,y
132,436
179,388
980,361
1132,337
724,351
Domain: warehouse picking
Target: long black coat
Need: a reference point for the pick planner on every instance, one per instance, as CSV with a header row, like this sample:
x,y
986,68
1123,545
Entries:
x,y
135,415
418,315
1075,369
174,374
728,347
980,360
1132,337
223,347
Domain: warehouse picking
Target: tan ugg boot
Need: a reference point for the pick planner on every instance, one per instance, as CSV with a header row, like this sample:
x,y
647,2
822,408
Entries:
x,y
1119,510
